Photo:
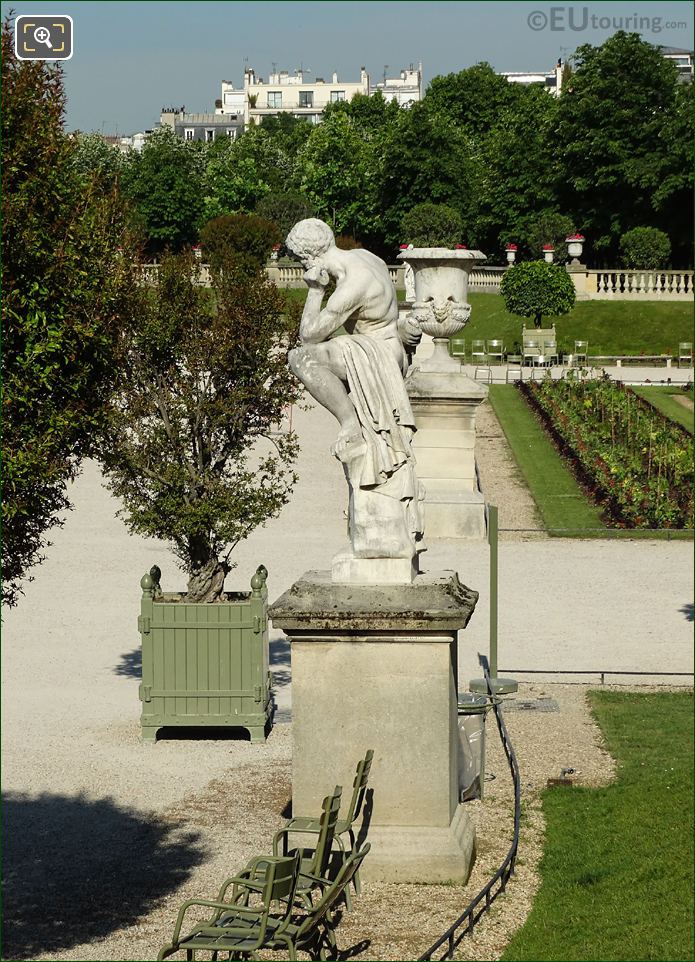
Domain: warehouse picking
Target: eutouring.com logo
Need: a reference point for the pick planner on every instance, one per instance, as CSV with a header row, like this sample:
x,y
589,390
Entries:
x,y
579,18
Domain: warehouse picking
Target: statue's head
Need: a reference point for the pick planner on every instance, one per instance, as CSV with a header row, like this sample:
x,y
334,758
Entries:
x,y
309,239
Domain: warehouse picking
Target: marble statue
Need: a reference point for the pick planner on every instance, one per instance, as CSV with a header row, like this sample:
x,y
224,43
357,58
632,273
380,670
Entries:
x,y
352,360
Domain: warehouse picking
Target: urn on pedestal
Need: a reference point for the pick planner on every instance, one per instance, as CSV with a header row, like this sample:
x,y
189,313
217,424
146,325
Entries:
x,y
443,397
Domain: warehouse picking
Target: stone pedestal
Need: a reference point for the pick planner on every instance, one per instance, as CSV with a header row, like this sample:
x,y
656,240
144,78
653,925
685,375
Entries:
x,y
444,402
375,667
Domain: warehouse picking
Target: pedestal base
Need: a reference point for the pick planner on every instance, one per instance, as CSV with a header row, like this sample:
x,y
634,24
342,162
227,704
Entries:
x,y
454,514
401,853
374,666
346,569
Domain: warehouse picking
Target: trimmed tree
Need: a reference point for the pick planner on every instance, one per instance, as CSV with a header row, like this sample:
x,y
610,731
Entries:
x,y
645,248
432,225
244,240
192,447
536,289
63,284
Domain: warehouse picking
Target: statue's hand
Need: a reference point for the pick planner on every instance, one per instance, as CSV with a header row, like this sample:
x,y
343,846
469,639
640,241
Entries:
x,y
317,278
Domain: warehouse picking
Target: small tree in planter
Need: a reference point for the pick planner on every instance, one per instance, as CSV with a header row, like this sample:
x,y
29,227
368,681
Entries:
x,y
190,452
432,225
536,289
204,378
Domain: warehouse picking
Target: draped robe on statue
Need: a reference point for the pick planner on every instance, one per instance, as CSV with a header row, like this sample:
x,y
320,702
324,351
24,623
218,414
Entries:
x,y
386,469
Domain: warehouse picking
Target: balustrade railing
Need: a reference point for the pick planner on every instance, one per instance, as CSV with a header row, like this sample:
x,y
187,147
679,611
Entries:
x,y
486,279
591,284
647,285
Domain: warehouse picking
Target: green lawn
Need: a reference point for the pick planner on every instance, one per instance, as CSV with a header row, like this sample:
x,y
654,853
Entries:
x,y
560,501
664,400
617,866
610,327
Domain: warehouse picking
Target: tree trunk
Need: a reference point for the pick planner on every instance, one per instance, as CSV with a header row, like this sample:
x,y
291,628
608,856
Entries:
x,y
207,573
205,583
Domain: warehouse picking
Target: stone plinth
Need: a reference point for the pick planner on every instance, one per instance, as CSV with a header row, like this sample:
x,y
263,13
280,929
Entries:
x,y
375,667
444,402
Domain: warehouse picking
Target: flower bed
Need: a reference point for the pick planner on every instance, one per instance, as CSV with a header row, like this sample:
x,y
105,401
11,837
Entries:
x,y
632,460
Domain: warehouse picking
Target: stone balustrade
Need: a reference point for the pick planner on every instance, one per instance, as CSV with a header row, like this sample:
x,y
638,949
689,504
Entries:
x,y
644,285
486,280
589,284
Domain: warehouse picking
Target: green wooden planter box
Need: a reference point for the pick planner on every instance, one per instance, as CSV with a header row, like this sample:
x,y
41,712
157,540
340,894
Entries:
x,y
205,664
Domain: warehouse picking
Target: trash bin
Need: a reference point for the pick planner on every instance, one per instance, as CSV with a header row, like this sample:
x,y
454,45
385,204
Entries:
x,y
471,724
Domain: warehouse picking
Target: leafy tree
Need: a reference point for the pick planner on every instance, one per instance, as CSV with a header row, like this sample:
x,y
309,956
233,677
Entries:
x,y
612,138
190,447
338,170
672,194
645,248
244,240
474,98
63,284
513,172
284,210
164,182
534,289
425,157
432,225
548,227
94,157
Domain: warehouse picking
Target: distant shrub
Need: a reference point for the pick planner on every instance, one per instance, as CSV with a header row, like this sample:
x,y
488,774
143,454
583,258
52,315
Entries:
x,y
240,240
645,248
534,289
432,225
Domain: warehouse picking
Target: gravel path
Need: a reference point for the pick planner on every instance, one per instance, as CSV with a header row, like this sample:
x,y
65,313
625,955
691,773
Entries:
x,y
95,818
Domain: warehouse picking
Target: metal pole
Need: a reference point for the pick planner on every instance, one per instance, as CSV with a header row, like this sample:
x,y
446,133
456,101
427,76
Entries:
x,y
492,540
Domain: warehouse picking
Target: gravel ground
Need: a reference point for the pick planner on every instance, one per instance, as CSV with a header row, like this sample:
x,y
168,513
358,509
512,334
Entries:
x,y
106,836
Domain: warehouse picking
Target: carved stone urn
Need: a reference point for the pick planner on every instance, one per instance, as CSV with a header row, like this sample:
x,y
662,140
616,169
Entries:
x,y
443,397
441,307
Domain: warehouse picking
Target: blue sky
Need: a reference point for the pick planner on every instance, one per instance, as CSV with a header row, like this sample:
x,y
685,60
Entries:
x,y
132,58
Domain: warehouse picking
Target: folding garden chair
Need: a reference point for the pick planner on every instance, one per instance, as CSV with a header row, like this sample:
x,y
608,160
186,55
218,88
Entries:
x,y
495,349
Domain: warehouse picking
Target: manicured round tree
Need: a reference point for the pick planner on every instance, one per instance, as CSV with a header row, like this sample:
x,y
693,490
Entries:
x,y
432,225
245,240
536,289
645,248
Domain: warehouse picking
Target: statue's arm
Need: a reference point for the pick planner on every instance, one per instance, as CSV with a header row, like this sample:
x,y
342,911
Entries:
x,y
317,325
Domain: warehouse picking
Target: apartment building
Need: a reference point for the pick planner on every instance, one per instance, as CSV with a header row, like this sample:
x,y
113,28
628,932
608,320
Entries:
x,y
296,94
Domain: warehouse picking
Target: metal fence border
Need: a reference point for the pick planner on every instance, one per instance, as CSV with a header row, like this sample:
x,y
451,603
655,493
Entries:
x,y
465,923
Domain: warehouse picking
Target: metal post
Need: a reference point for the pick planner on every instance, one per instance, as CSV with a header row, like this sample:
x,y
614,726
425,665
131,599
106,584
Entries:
x,y
492,541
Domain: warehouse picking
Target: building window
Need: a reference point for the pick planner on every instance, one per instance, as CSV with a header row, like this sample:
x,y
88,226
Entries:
x,y
189,133
209,135
231,133
337,95
275,98
306,98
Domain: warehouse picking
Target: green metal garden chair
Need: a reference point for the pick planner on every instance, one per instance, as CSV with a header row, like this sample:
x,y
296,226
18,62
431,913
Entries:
x,y
317,928
315,861
236,926
344,826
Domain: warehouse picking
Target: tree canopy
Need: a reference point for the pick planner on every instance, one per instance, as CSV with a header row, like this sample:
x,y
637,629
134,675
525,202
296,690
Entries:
x,y
63,289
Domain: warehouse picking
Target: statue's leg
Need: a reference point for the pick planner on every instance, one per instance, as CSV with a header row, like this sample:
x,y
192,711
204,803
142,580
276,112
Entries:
x,y
321,369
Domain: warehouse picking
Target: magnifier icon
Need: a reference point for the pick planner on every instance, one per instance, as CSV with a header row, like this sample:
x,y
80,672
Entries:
x,y
43,35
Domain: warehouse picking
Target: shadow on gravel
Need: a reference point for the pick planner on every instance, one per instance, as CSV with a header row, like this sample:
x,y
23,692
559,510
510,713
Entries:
x,y
130,665
76,870
689,611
